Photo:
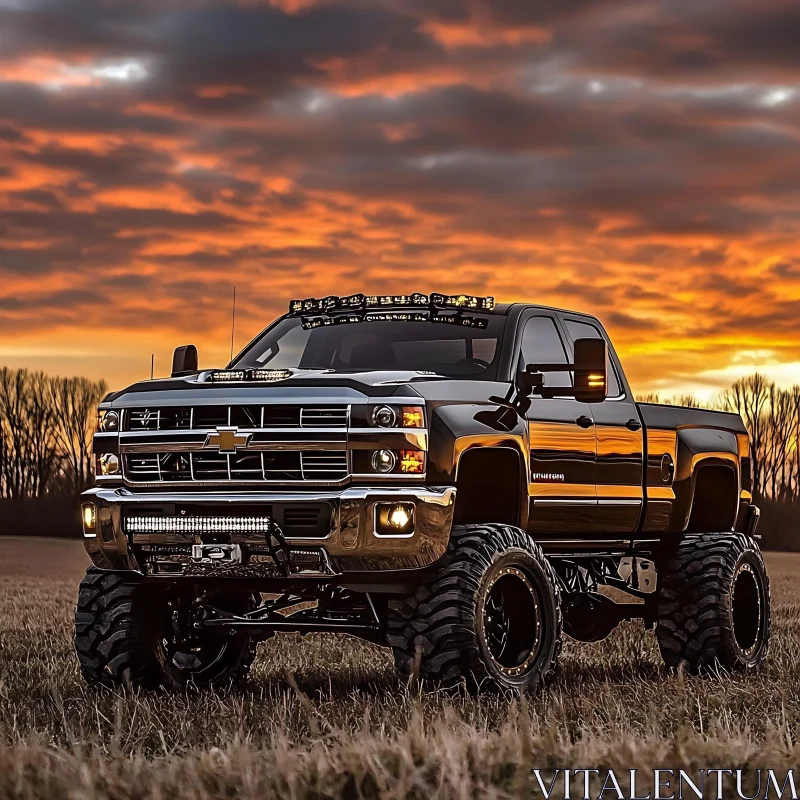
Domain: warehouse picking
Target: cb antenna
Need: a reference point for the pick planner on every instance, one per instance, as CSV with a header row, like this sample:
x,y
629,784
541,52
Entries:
x,y
233,322
152,365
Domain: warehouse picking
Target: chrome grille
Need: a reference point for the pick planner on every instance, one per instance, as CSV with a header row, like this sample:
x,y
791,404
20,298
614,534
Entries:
x,y
278,466
242,416
323,417
323,466
267,443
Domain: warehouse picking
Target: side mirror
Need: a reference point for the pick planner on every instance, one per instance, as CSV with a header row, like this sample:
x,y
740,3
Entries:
x,y
591,370
184,362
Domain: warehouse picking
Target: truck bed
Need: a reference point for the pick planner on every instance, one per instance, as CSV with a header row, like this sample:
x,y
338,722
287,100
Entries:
x,y
665,417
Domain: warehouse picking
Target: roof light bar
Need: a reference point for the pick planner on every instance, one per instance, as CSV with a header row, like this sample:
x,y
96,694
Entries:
x,y
360,302
310,323
463,301
247,375
460,319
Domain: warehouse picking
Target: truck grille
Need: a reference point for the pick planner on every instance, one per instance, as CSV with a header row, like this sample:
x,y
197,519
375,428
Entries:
x,y
274,443
250,467
250,416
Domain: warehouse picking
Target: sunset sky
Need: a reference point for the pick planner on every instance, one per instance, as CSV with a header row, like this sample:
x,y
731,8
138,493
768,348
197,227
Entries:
x,y
639,160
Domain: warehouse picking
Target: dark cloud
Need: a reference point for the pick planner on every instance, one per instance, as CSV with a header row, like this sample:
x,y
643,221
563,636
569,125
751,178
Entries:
x,y
633,158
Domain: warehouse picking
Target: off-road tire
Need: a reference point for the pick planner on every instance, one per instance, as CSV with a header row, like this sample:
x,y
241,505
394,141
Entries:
x,y
117,639
714,604
438,632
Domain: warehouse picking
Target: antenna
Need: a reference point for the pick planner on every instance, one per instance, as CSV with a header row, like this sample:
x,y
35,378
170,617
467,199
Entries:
x,y
233,322
152,365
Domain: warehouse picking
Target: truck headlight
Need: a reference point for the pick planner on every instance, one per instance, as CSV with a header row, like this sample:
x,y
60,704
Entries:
x,y
385,417
384,461
108,421
398,416
108,464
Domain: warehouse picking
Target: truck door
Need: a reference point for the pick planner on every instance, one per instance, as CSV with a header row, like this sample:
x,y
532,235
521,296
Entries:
x,y
562,442
620,448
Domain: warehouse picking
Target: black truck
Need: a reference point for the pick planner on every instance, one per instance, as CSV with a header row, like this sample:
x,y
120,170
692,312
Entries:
x,y
452,478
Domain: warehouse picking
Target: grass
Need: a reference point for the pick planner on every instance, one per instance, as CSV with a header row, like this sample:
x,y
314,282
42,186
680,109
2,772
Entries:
x,y
324,716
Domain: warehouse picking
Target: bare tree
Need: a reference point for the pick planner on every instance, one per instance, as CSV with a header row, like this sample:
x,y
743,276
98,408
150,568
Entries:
x,y
749,397
75,401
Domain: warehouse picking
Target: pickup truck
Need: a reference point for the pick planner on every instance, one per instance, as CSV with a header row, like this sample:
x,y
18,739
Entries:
x,y
459,480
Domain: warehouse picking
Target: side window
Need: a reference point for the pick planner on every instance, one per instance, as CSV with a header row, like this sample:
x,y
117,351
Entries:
x,y
541,344
584,330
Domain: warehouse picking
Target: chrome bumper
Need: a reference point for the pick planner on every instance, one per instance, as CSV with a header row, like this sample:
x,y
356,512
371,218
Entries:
x,y
350,544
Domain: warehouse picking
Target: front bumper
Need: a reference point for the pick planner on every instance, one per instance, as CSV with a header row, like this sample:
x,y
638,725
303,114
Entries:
x,y
346,540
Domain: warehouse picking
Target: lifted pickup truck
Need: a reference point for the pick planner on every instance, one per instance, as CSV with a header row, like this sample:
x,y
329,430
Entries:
x,y
447,476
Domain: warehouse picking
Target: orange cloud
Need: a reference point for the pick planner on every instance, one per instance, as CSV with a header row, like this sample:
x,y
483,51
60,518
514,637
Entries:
x,y
633,164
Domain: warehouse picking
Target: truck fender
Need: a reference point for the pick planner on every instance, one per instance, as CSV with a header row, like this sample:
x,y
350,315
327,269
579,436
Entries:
x,y
699,448
455,429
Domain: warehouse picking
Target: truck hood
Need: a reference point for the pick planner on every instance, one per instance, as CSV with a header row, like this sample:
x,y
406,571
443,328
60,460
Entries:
x,y
303,386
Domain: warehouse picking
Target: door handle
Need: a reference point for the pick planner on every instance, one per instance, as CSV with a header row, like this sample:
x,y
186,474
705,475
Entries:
x,y
585,422
633,425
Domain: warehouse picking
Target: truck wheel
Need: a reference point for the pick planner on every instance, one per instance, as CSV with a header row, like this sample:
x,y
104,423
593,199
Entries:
x,y
124,637
489,618
714,604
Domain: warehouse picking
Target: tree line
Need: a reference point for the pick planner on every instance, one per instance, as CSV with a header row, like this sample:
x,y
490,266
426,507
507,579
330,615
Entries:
x,y
46,428
772,418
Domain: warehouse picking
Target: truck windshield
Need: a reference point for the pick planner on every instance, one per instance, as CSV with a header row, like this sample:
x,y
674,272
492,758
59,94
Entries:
x,y
454,351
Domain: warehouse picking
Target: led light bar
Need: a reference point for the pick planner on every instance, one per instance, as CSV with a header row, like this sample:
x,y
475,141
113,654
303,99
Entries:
x,y
397,316
245,375
463,301
324,304
416,299
360,302
190,525
309,323
459,319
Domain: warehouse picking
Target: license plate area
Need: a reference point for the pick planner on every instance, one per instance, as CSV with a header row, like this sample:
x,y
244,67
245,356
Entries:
x,y
216,554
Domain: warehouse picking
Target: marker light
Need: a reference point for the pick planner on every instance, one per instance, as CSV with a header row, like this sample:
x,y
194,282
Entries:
x,y
413,417
412,461
89,513
384,461
596,380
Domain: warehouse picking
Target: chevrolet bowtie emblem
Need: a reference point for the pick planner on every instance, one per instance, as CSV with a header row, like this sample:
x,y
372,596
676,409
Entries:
x,y
227,440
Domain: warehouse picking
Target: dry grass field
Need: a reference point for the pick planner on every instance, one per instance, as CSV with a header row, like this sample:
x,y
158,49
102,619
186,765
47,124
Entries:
x,y
324,716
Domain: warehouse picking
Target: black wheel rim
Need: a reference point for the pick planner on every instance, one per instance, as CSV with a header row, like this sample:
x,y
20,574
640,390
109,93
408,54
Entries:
x,y
199,660
747,611
512,622
196,663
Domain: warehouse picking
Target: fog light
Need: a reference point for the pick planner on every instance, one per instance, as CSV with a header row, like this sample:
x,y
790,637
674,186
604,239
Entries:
x,y
399,517
384,417
384,461
394,519
412,461
89,512
109,464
